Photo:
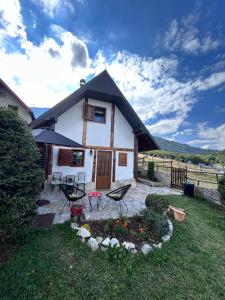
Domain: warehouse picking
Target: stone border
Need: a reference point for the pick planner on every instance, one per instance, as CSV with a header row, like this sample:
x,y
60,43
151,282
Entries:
x,y
104,244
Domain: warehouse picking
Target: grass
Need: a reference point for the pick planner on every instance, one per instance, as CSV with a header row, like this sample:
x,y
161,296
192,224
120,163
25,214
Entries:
x,y
54,264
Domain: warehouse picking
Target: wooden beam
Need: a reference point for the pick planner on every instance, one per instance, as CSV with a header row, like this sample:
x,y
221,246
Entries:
x,y
109,148
94,167
84,136
112,125
114,166
135,157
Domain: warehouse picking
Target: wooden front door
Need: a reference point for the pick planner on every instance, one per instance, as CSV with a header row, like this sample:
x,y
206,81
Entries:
x,y
103,175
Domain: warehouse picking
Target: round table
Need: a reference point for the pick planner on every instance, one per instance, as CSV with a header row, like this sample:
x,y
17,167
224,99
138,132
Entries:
x,y
92,195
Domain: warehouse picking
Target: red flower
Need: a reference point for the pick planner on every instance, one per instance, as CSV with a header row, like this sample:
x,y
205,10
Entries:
x,y
77,210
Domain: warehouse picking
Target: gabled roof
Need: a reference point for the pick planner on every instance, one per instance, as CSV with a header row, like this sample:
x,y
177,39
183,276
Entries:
x,y
17,98
48,136
102,87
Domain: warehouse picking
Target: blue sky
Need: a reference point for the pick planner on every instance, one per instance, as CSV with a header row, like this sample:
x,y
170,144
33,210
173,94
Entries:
x,y
167,57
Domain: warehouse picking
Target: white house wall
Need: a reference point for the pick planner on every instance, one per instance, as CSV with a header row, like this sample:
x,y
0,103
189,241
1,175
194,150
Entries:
x,y
123,132
8,99
70,123
122,172
98,134
66,170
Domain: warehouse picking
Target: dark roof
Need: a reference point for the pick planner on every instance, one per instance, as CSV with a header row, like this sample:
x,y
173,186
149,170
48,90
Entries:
x,y
48,136
102,87
17,98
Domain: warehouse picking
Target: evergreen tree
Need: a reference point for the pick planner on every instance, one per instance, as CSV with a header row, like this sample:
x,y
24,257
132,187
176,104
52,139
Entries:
x,y
21,177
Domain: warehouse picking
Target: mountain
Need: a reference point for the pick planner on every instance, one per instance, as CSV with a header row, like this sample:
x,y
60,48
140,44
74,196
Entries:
x,y
180,148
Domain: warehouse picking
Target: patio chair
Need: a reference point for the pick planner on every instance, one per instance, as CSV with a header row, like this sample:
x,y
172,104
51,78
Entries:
x,y
81,179
56,180
72,195
118,195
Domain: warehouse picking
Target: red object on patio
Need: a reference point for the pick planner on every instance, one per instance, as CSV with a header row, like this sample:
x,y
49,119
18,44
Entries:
x,y
76,210
97,195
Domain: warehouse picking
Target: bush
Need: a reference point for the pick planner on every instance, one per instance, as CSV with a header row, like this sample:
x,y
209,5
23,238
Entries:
x,y
150,172
155,222
221,189
20,176
120,230
157,203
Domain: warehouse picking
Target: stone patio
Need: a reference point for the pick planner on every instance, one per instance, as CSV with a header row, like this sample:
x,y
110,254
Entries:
x,y
135,201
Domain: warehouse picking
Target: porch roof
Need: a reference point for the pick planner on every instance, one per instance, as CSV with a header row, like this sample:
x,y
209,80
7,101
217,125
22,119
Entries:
x,y
48,136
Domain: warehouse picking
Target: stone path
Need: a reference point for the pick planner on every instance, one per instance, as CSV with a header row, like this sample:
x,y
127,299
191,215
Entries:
x,y
135,199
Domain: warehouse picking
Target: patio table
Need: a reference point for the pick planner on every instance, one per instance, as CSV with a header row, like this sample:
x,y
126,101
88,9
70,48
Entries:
x,y
96,195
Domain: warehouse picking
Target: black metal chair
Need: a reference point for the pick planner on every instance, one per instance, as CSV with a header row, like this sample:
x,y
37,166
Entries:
x,y
81,179
118,195
56,180
73,194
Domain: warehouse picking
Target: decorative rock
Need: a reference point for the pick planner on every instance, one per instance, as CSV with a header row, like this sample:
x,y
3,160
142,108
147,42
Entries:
x,y
114,242
93,244
106,242
146,248
83,241
128,245
99,239
133,251
83,233
170,224
166,238
103,248
75,226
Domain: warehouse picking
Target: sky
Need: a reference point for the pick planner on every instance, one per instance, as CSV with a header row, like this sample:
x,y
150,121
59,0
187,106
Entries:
x,y
167,57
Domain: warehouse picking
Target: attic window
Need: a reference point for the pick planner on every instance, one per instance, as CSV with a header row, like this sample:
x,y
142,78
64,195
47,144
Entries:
x,y
94,113
13,107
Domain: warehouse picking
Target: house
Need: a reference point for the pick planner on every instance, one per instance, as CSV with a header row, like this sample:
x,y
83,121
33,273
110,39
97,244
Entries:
x,y
10,100
107,130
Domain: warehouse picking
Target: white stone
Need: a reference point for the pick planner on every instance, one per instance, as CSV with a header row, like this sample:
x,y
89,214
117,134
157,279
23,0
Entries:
x,y
99,239
170,224
166,238
104,249
133,251
114,242
106,242
146,248
83,241
75,226
128,245
93,244
83,233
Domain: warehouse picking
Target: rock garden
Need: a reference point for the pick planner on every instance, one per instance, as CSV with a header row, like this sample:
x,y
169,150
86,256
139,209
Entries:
x,y
138,234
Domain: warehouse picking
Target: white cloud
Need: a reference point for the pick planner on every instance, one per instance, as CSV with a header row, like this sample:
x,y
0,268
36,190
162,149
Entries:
x,y
184,35
52,7
215,137
214,80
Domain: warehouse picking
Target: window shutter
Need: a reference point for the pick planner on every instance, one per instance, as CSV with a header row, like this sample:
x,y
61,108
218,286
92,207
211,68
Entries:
x,y
122,159
64,157
88,111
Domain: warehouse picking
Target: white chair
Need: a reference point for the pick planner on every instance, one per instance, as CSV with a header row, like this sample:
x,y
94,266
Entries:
x,y
81,179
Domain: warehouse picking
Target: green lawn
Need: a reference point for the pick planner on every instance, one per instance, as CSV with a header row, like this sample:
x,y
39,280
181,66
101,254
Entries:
x,y
54,264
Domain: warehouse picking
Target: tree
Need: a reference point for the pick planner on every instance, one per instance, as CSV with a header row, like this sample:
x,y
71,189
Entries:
x,y
221,189
21,178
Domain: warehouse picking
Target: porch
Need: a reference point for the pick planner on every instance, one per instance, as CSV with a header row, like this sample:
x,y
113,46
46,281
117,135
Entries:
x,y
135,201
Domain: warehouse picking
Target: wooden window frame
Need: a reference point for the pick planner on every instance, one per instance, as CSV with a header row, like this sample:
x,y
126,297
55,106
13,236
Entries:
x,y
90,116
122,159
72,158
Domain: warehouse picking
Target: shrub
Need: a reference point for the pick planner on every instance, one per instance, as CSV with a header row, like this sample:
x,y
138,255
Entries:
x,y
150,172
20,174
155,222
221,189
157,203
120,230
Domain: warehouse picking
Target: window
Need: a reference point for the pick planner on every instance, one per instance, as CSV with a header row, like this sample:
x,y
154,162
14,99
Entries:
x,y
78,158
13,107
94,113
71,157
122,159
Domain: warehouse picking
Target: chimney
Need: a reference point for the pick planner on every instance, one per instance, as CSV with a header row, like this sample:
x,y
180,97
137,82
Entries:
x,y
82,82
